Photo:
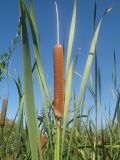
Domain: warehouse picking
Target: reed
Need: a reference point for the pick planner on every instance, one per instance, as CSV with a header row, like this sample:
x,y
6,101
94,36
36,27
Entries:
x,y
3,112
43,140
58,88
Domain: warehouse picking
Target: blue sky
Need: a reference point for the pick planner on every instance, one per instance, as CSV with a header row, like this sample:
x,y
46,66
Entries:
x,y
109,40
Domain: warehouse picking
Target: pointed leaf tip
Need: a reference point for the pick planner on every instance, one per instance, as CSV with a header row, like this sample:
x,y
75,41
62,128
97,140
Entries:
x,y
108,10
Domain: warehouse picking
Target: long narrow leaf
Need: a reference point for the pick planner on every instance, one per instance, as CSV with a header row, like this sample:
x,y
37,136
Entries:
x,y
31,116
71,37
67,103
43,86
36,50
85,77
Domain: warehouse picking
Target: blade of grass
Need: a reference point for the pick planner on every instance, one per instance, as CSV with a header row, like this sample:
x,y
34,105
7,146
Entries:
x,y
103,143
36,49
85,77
66,105
20,115
116,109
115,71
96,100
43,86
30,109
96,80
71,37
99,84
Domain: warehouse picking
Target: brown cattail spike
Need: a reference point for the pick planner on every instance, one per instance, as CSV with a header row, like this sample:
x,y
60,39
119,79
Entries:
x,y
43,140
3,112
1,123
58,81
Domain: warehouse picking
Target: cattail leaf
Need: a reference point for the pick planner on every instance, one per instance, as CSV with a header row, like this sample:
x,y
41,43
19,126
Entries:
x,y
67,102
43,86
36,49
96,101
108,9
95,10
19,87
99,84
20,115
30,109
103,142
116,109
85,78
71,37
115,71
96,79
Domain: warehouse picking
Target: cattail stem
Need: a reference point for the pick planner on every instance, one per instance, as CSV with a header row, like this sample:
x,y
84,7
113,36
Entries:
x,y
57,144
57,22
58,94
58,88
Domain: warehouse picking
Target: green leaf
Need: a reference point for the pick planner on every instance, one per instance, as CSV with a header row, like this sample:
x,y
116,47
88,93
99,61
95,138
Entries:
x,y
43,86
67,103
31,116
115,71
85,78
95,10
20,115
36,49
71,37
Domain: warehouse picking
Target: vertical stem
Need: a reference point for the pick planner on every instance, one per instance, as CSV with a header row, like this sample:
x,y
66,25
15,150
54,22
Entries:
x,y
58,141
57,22
55,152
58,88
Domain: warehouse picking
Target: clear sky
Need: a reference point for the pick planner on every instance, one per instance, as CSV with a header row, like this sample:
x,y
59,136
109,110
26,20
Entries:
x,y
109,40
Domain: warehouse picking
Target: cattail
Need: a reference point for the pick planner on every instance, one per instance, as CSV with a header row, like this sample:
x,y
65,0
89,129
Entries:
x,y
43,139
58,75
58,81
3,112
0,120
